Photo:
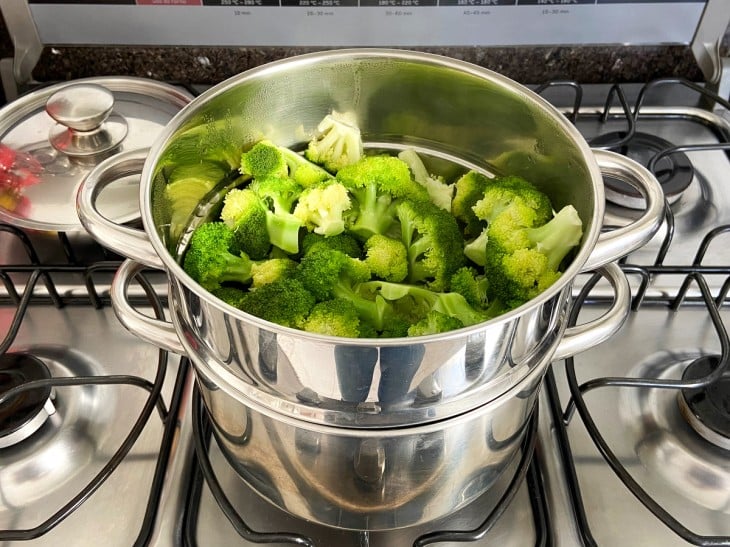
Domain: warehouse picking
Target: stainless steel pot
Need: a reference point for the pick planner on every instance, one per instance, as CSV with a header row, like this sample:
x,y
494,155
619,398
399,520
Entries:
x,y
350,390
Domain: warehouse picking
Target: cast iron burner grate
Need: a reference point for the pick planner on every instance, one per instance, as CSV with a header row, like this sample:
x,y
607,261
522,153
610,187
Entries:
x,y
24,414
674,172
707,409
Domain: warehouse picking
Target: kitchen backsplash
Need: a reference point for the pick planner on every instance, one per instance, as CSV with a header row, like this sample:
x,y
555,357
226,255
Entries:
x,y
206,65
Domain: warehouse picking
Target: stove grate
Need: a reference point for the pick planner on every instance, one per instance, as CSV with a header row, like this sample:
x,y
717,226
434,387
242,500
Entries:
x,y
22,299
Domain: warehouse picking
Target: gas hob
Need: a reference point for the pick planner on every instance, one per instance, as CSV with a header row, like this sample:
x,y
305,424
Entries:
x,y
620,454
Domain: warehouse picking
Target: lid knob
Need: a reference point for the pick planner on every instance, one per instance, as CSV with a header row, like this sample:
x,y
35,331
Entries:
x,y
86,126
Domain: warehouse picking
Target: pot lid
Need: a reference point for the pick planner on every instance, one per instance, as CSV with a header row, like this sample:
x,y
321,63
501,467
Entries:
x,y
51,138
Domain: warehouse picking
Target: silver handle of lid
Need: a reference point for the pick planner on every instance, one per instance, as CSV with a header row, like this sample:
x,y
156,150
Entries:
x,y
85,126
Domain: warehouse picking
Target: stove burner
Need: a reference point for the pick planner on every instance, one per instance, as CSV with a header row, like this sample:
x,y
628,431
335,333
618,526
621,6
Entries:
x,y
24,414
674,172
707,409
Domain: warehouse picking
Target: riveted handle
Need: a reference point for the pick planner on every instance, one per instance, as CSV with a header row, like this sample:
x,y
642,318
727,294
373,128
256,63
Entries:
x,y
617,243
155,331
583,337
124,240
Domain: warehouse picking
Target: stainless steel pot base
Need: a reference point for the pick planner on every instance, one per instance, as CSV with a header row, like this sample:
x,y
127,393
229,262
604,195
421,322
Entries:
x,y
707,409
217,485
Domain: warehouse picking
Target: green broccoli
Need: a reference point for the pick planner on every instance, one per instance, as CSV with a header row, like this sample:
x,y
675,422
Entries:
x,y
468,190
375,183
273,269
244,212
302,170
187,186
506,197
473,286
522,262
285,302
329,274
337,143
432,239
232,296
263,159
278,195
476,249
414,302
343,242
209,261
321,208
508,192
337,317
386,257
434,323
440,193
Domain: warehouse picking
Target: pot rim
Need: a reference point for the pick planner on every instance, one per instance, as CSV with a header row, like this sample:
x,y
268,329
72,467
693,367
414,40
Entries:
x,y
591,229
534,376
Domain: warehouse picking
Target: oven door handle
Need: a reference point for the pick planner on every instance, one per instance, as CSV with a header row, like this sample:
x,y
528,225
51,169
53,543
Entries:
x,y
155,331
619,242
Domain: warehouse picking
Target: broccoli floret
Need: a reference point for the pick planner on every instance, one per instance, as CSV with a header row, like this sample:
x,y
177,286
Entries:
x,y
302,170
395,327
230,295
321,208
510,192
337,143
471,285
415,302
263,159
434,323
343,242
374,183
244,212
387,258
278,195
285,302
335,317
469,189
273,269
440,193
329,274
523,262
209,261
432,239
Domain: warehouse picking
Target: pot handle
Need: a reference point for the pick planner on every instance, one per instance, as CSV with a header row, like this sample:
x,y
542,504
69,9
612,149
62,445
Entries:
x,y
582,337
620,242
155,331
121,239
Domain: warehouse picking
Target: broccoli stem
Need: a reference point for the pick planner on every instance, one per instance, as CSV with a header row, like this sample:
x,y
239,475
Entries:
x,y
476,250
451,304
283,230
376,212
372,311
556,238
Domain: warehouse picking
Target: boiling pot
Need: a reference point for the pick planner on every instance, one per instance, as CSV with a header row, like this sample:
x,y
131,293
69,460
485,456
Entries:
x,y
266,387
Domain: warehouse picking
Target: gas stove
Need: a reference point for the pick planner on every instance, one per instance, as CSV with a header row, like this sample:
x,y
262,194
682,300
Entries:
x,y
111,441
